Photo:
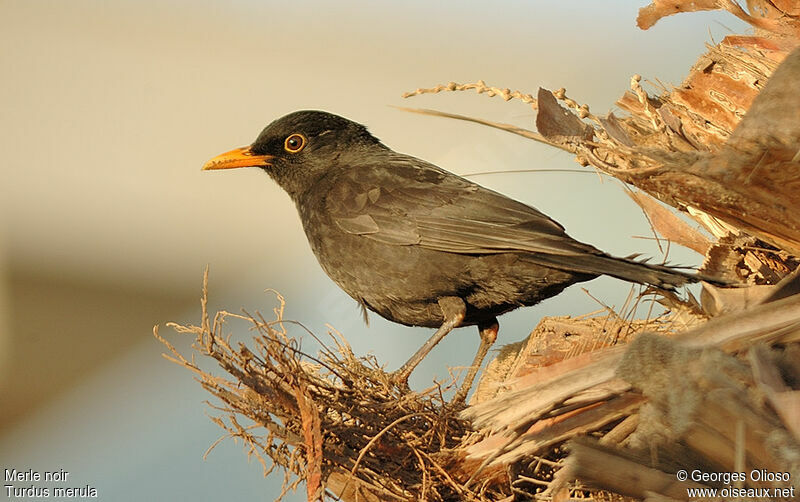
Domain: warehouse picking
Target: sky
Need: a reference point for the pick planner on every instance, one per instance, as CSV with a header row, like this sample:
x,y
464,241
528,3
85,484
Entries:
x,y
111,108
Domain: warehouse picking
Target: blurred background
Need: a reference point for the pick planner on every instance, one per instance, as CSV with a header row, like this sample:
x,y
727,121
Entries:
x,y
109,109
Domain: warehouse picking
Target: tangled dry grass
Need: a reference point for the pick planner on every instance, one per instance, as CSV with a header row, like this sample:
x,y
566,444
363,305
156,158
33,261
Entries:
x,y
332,420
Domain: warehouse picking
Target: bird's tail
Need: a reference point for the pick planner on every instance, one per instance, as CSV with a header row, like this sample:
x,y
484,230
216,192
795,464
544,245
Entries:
x,y
628,269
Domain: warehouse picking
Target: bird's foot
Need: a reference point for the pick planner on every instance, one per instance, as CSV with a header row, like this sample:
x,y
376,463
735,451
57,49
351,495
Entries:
x,y
459,401
399,379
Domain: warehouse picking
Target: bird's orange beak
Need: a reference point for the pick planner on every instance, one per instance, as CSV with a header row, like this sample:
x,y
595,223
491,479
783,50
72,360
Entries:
x,y
239,157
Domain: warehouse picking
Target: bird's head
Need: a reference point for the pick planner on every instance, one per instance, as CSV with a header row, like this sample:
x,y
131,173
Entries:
x,y
298,148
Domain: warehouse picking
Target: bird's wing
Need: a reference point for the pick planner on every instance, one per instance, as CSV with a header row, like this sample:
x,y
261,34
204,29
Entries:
x,y
406,201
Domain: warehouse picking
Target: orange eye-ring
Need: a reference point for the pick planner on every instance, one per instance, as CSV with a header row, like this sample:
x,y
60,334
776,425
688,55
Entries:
x,y
294,143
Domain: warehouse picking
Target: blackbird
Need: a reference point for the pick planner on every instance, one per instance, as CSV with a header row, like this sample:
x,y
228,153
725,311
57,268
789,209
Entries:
x,y
419,245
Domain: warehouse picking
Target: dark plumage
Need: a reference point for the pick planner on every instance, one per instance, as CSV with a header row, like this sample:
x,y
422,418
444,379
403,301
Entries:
x,y
417,244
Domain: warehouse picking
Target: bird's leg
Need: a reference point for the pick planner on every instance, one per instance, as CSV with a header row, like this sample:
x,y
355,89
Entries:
x,y
453,310
488,332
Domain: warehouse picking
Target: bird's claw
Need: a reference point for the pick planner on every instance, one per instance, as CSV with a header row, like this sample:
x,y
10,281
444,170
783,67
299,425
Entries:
x,y
399,379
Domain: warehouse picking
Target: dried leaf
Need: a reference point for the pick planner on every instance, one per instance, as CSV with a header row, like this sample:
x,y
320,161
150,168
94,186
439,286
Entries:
x,y
557,123
666,223
651,14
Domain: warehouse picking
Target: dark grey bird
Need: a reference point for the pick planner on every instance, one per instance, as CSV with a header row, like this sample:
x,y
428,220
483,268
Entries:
x,y
417,244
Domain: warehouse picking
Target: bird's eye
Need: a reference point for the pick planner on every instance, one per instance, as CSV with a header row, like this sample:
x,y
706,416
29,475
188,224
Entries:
x,y
294,143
